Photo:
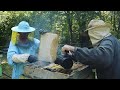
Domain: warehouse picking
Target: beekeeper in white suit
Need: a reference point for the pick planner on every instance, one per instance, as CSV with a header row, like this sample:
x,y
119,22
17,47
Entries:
x,y
23,48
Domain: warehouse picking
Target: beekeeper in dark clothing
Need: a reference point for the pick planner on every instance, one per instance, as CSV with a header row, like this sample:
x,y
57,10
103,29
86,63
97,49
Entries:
x,y
105,54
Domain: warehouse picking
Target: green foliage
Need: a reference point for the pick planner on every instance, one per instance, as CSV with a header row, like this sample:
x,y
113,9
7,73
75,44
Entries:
x,y
69,24
8,20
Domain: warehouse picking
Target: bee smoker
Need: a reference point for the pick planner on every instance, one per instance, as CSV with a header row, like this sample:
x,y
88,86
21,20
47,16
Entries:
x,y
66,61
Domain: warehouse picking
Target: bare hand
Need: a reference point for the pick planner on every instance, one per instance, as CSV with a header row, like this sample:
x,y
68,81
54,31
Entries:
x,y
67,48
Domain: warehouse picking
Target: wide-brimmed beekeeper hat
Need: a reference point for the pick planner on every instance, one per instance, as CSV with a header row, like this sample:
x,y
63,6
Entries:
x,y
23,26
93,24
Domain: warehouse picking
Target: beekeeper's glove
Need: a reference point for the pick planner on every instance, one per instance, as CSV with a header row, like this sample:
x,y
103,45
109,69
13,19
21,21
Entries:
x,y
23,58
32,59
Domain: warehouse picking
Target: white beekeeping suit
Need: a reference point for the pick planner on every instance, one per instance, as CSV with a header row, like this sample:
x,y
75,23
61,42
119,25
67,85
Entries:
x,y
18,53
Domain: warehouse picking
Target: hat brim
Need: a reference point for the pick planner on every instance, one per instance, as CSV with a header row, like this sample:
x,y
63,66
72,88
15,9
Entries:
x,y
106,25
16,29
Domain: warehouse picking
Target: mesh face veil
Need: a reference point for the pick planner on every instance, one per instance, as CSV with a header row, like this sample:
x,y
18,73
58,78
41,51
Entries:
x,y
98,34
31,36
15,37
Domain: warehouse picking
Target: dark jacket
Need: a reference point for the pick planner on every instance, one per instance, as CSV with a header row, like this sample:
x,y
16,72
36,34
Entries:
x,y
105,58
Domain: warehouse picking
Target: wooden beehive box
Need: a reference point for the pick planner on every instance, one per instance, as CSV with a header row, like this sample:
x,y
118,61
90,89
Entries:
x,y
48,53
35,71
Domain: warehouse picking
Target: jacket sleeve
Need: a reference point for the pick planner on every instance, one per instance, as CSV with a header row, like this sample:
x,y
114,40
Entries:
x,y
37,44
11,51
98,57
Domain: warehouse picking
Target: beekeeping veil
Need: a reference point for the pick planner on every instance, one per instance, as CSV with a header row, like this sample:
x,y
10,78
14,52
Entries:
x,y
23,26
97,30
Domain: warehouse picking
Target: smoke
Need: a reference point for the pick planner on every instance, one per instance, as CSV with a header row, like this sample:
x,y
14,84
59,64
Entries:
x,y
40,22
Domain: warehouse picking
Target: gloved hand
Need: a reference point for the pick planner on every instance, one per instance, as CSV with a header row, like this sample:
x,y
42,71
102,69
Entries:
x,y
20,58
32,59
23,58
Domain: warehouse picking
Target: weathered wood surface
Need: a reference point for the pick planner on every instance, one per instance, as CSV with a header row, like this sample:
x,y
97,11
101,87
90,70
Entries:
x,y
48,47
36,72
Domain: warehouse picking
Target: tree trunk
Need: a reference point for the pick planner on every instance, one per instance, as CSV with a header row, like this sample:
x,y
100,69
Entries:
x,y
114,21
82,27
79,29
69,21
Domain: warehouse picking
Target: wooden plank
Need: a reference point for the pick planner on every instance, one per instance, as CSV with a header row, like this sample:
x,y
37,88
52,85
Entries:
x,y
39,73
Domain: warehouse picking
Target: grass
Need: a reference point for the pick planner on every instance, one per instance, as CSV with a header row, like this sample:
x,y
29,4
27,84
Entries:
x,y
6,69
